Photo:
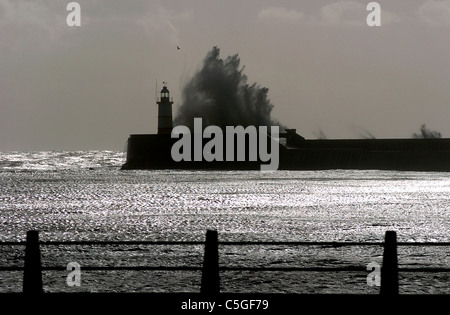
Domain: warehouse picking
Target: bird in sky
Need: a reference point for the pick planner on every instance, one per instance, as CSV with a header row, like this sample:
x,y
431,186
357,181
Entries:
x,y
178,48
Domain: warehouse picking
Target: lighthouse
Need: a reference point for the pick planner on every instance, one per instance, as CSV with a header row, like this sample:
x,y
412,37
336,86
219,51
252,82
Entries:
x,y
164,112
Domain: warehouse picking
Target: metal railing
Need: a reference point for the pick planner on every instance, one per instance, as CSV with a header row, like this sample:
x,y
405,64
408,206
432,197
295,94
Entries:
x,y
210,279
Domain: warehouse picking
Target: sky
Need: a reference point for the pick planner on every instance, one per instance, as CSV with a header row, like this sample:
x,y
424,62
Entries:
x,y
89,87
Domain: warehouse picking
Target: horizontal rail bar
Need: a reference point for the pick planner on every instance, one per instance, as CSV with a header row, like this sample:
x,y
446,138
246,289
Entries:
x,y
299,243
423,244
225,243
58,243
336,243
108,268
188,268
111,268
287,269
327,269
424,269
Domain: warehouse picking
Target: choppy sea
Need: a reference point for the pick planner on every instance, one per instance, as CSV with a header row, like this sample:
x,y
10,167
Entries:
x,y
84,196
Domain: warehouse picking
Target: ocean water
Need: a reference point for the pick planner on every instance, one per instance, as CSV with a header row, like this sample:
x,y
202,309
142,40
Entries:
x,y
84,195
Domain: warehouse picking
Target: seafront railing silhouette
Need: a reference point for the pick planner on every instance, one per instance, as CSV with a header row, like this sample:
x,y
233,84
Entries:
x,y
210,279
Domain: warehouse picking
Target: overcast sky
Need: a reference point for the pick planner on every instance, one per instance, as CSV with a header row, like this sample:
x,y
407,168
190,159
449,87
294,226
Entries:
x,y
89,87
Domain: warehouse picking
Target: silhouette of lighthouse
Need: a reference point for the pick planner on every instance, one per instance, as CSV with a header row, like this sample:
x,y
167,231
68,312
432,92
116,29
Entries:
x,y
165,112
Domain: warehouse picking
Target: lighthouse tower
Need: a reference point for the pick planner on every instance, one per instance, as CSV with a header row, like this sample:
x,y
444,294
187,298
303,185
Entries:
x,y
165,112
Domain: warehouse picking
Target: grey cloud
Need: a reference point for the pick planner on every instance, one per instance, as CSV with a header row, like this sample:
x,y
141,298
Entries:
x,y
280,13
342,13
435,13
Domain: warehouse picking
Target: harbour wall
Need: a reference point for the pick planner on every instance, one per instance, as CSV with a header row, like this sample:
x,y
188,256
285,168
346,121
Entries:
x,y
152,151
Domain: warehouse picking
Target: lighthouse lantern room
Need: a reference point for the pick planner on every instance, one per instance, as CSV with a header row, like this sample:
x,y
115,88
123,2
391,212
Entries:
x,y
165,112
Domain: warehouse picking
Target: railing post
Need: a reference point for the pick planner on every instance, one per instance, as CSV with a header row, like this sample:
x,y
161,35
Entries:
x,y
210,274
32,276
389,270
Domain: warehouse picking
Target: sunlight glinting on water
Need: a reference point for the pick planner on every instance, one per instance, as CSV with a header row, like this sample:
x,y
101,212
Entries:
x,y
84,196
